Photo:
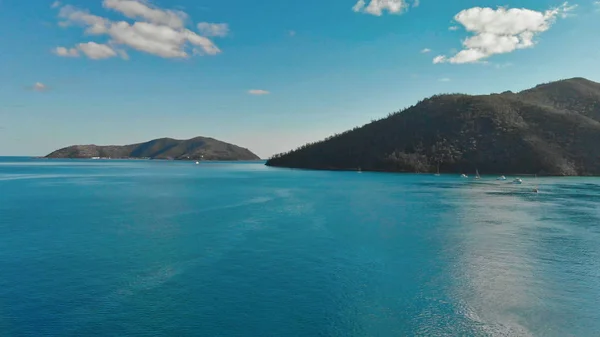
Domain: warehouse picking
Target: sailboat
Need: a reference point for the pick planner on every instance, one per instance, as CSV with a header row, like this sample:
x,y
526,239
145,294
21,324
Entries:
x,y
438,171
477,176
536,188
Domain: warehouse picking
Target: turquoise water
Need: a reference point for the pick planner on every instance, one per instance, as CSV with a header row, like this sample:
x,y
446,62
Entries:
x,y
150,248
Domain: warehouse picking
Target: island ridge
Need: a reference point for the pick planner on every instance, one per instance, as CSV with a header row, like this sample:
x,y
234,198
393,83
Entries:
x,y
552,129
198,148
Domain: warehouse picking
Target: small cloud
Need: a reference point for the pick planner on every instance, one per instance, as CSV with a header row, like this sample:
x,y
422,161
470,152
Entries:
x,y
258,92
213,29
416,3
39,87
444,79
66,52
292,33
439,59
56,4
453,28
425,51
565,10
96,51
377,7
92,50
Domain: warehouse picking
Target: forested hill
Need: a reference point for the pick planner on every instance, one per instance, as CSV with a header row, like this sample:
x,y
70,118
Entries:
x,y
163,148
552,129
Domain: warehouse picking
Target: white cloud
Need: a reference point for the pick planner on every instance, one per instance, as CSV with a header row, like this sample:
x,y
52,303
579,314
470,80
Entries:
x,y
38,86
425,51
96,51
453,28
158,32
73,16
445,79
258,92
501,31
140,9
55,4
162,41
377,7
213,29
439,59
359,6
92,50
66,52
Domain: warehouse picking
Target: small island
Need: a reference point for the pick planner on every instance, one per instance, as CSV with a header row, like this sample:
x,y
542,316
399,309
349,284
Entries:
x,y
552,129
198,148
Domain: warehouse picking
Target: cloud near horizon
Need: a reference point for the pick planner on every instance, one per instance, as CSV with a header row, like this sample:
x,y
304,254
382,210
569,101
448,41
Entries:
x,y
500,31
156,31
258,92
378,7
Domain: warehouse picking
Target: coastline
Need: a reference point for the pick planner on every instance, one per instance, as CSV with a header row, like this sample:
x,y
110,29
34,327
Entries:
x,y
144,158
432,172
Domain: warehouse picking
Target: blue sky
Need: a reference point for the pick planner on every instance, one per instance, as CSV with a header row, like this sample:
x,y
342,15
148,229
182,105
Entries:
x,y
125,71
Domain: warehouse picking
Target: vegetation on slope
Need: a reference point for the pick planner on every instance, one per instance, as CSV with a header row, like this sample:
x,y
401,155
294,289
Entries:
x,y
552,129
164,148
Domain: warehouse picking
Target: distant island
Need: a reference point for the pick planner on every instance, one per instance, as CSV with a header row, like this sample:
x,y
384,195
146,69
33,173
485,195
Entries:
x,y
552,129
199,148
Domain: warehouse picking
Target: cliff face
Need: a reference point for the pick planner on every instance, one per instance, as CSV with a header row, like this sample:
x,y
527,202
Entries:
x,y
552,129
164,148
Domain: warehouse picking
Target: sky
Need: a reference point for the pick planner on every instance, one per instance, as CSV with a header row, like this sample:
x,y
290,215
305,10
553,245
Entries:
x,y
269,75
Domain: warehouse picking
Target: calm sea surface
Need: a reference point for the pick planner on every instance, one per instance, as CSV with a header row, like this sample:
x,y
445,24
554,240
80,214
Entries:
x,y
158,248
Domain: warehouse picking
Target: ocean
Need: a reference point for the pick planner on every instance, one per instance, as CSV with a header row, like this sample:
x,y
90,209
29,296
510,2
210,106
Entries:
x,y
166,248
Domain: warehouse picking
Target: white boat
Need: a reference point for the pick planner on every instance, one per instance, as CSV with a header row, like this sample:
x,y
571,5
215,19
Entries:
x,y
438,171
197,162
463,176
477,176
501,178
518,181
